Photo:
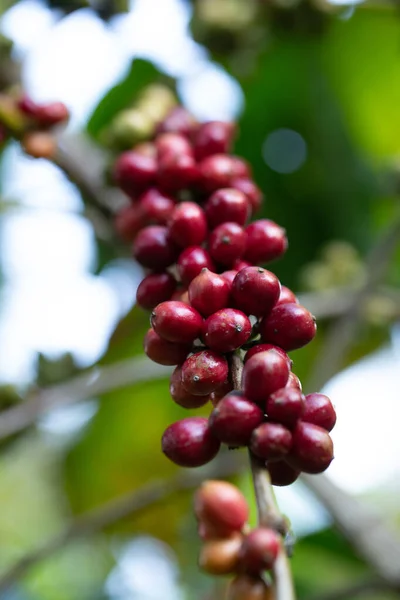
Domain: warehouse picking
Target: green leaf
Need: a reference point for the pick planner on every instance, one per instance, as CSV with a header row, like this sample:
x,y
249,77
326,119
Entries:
x,y
127,338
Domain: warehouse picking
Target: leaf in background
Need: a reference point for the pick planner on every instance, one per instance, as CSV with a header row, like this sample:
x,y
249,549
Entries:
x,y
127,338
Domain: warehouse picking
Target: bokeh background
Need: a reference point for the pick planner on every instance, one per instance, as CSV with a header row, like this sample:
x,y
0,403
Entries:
x,y
315,87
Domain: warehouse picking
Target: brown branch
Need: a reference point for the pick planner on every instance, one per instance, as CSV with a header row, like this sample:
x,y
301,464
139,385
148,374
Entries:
x,y
147,496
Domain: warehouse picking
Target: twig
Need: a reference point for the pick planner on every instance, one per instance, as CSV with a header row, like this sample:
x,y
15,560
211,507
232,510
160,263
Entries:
x,y
133,503
361,588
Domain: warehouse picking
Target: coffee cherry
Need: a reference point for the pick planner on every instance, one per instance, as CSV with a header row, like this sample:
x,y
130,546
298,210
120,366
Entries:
x,y
48,115
27,105
156,207
154,249
216,171
226,204
172,145
134,172
281,473
234,419
177,172
229,276
263,374
294,382
128,221
162,352
204,372
266,241
189,442
208,292
227,243
155,288
244,587
255,291
222,506
241,169
226,330
285,406
240,264
180,121
251,191
263,348
312,449
318,410
221,557
191,261
181,396
271,441
259,550
286,296
176,321
214,137
289,326
188,225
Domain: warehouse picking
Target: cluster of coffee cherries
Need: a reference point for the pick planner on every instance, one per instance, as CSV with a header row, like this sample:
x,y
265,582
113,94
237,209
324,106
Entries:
x,y
229,546
212,302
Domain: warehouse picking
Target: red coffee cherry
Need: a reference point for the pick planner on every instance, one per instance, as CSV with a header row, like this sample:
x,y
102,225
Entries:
x,y
156,207
289,326
263,348
220,170
312,449
229,276
255,291
176,321
221,392
263,374
318,410
204,372
281,473
180,395
294,382
240,264
286,296
234,419
188,225
48,115
172,145
227,243
177,172
128,221
154,249
259,550
162,352
221,557
271,441
155,288
208,292
285,406
251,191
191,262
226,330
244,587
221,506
134,171
189,442
180,121
266,241
241,169
214,137
27,106
226,204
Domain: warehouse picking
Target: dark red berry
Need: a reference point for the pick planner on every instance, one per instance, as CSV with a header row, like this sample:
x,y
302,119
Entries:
x,y
156,207
189,442
234,418
208,292
162,352
286,296
177,172
289,326
229,276
155,288
263,348
180,395
204,372
221,392
176,321
240,264
191,261
255,291
134,171
48,115
171,145
285,406
259,550
241,169
318,410
188,225
226,330
219,170
271,441
222,506
294,382
251,191
214,137
265,241
180,121
226,204
129,220
281,473
312,449
154,249
28,106
227,243
263,374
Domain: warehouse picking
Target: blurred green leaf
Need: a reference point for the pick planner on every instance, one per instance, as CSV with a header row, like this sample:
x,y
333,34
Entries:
x,y
127,338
